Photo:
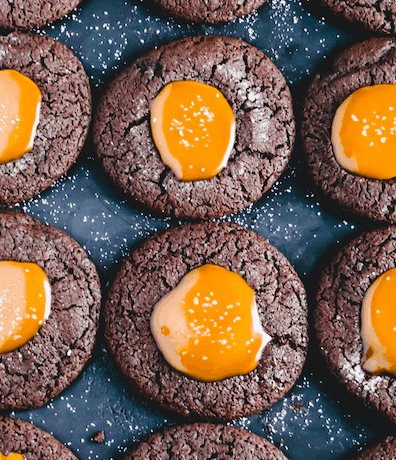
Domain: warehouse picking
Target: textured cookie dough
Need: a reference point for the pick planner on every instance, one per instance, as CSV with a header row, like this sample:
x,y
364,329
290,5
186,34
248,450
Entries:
x,y
155,268
209,11
342,287
385,450
38,371
25,14
24,438
377,16
64,118
205,441
265,128
372,62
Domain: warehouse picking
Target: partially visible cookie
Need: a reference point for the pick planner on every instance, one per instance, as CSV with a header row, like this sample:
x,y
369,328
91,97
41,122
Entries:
x,y
260,101
204,441
64,118
337,318
27,14
155,268
376,16
38,371
212,11
24,438
385,450
372,62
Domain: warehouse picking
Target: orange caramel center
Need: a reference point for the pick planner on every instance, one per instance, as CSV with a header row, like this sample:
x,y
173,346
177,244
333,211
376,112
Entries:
x,y
208,327
25,300
379,325
364,132
11,456
193,128
20,101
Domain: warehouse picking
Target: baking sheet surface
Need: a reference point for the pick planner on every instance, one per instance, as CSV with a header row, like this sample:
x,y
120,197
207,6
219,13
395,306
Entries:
x,y
316,420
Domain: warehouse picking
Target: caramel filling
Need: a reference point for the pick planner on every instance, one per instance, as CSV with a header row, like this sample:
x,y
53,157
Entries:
x,y
193,128
25,302
379,325
208,327
20,100
363,132
11,456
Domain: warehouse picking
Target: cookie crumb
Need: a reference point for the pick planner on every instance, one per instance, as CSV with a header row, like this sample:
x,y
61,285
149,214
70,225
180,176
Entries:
x,y
297,406
99,437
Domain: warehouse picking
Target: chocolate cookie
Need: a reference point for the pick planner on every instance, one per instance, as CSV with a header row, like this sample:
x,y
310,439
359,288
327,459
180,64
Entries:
x,y
39,370
372,62
24,438
212,12
203,441
64,118
385,450
27,14
342,287
261,103
157,267
376,16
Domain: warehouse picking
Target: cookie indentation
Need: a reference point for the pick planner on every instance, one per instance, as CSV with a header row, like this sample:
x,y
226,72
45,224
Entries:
x,y
208,327
20,101
193,129
25,303
364,132
379,325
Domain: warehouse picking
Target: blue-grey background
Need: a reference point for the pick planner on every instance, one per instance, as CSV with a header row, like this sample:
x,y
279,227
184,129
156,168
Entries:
x,y
316,420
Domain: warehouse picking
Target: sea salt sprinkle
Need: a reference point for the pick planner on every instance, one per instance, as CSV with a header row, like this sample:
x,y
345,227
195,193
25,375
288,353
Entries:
x,y
106,36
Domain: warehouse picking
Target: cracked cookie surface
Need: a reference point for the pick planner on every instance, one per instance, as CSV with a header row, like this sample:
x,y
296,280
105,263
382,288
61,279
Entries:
x,y
17,436
212,11
372,62
64,117
376,15
341,289
265,128
26,14
204,441
39,370
155,268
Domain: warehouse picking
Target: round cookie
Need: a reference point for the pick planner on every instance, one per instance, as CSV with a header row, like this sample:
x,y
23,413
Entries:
x,y
261,103
212,12
376,16
385,450
342,286
204,441
26,14
39,370
24,438
372,62
157,267
64,117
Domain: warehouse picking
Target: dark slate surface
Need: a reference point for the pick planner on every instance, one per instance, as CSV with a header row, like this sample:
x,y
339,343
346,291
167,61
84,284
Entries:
x,y
316,419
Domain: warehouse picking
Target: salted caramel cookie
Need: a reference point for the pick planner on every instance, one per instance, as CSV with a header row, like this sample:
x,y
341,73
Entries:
x,y
37,371
340,323
260,101
363,66
203,441
212,12
24,440
156,268
376,16
64,119
27,14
